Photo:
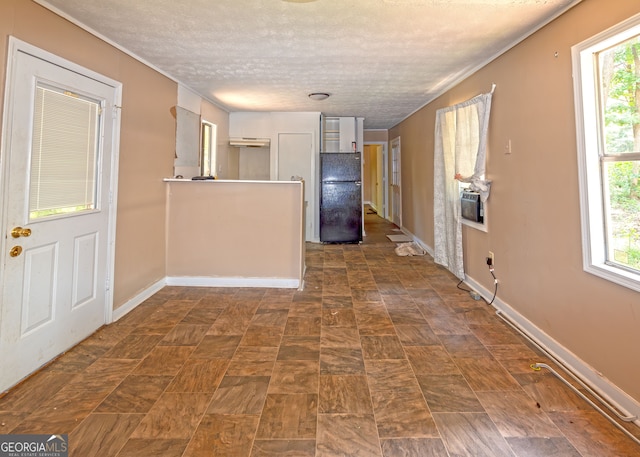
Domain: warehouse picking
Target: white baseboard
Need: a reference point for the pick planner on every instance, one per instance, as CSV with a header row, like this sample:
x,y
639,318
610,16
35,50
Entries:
x,y
130,304
205,281
417,240
582,370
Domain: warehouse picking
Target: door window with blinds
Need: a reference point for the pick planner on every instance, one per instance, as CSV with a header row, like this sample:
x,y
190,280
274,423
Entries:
x,y
64,154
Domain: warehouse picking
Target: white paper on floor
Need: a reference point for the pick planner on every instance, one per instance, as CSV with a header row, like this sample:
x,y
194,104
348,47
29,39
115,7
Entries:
x,y
406,249
399,238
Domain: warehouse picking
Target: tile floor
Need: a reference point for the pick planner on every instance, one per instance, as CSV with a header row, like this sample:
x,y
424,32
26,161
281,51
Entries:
x,y
380,355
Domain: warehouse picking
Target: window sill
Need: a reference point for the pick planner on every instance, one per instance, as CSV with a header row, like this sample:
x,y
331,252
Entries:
x,y
615,275
475,225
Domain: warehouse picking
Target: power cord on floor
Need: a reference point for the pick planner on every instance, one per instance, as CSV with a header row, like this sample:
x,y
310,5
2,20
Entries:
x,y
475,294
462,288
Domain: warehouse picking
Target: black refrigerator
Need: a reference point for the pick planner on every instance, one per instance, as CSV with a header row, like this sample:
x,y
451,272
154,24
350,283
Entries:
x,y
340,197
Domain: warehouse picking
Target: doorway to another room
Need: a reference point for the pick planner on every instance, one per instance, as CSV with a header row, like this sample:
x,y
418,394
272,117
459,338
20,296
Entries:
x,y
375,179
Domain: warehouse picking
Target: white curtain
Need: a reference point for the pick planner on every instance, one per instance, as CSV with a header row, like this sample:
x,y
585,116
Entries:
x,y
460,150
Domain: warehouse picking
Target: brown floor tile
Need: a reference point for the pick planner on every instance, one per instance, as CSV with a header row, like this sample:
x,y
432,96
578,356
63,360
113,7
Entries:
x,y
185,335
549,392
449,393
217,347
464,346
62,413
258,335
136,394
337,360
427,360
102,435
339,337
223,435
174,416
199,375
154,447
340,435
589,432
517,415
134,347
31,393
413,447
407,316
384,375
416,335
294,376
537,447
382,347
164,360
380,355
485,374
105,373
471,434
271,317
303,325
77,359
286,448
292,416
300,348
253,361
338,317
344,394
374,322
204,316
239,395
402,414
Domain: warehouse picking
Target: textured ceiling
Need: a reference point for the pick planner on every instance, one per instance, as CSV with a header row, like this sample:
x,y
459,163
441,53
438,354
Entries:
x,y
379,59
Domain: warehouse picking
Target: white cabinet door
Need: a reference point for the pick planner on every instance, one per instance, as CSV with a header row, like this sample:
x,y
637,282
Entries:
x,y
347,134
250,125
295,160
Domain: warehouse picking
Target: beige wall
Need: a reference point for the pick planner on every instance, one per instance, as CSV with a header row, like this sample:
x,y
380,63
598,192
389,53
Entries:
x,y
147,144
226,229
366,172
372,136
534,219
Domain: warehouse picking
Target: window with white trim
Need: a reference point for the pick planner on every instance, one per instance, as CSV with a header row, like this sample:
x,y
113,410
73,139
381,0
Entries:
x,y
606,71
208,136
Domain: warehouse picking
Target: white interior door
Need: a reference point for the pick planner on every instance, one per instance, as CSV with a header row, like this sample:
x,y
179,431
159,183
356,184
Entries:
x,y
380,181
396,184
56,170
294,160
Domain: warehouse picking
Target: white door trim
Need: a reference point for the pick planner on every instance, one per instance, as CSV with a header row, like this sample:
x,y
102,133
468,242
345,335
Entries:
x,y
396,162
385,177
15,46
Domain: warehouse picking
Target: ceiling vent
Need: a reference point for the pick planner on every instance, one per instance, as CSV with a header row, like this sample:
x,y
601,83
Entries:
x,y
250,142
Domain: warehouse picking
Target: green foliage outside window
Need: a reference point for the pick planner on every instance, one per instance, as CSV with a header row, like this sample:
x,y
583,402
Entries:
x,y
620,99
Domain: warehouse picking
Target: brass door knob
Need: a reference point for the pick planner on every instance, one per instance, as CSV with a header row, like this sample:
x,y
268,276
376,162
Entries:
x,y
15,251
17,232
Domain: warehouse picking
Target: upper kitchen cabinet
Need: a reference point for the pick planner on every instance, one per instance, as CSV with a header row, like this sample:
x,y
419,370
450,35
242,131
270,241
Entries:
x,y
248,124
341,134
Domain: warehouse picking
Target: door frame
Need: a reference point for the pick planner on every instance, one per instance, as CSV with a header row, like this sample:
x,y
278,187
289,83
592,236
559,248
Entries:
x,y
15,46
396,143
384,164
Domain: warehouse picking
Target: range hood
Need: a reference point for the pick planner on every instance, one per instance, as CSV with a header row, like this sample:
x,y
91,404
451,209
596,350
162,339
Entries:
x,y
250,142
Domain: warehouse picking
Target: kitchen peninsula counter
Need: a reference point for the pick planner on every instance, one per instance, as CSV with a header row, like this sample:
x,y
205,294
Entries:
x,y
229,233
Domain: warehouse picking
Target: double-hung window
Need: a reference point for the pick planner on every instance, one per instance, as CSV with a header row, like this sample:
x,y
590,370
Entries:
x,y
606,71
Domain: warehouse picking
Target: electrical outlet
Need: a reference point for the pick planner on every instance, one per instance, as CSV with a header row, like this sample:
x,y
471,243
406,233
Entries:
x,y
491,257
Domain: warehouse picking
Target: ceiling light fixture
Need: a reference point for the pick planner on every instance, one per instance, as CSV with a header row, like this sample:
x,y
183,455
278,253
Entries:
x,y
319,96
